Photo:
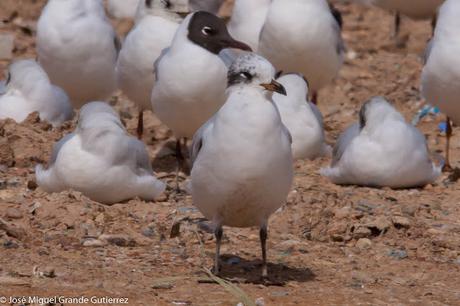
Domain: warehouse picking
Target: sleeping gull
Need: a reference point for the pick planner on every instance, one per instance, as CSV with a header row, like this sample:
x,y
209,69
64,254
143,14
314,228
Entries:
x,y
27,89
100,160
382,150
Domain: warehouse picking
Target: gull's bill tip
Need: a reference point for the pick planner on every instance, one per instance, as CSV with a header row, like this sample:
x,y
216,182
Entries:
x,y
235,44
274,86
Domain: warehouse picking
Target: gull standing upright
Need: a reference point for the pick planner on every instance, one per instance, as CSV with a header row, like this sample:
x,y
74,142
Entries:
x,y
248,18
441,74
302,118
100,160
382,150
191,77
27,90
303,36
78,48
242,160
154,32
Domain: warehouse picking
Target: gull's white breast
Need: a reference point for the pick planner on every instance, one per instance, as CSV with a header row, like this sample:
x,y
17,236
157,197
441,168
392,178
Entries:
x,y
243,172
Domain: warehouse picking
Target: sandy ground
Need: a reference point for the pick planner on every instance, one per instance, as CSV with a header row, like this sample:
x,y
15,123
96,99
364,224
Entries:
x,y
329,245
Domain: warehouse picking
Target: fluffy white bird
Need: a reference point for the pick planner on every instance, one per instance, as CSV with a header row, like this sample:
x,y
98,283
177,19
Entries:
x,y
242,169
441,74
122,9
248,18
302,118
382,150
303,36
191,77
78,48
100,160
27,90
142,47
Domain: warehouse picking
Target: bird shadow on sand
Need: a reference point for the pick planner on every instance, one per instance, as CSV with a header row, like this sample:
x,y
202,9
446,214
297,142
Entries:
x,y
240,270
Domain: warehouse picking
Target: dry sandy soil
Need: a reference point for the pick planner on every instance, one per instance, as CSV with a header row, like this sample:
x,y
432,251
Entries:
x,y
329,245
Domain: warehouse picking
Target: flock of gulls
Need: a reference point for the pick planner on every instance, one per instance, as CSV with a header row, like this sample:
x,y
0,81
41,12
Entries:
x,y
245,93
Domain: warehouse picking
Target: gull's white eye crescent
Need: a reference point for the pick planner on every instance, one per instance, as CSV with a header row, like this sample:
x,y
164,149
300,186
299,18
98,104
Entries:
x,y
206,31
246,75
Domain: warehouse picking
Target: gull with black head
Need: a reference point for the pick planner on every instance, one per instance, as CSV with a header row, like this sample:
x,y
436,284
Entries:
x,y
242,160
191,78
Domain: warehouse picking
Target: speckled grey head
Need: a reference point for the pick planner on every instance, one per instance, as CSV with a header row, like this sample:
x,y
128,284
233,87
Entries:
x,y
253,69
165,8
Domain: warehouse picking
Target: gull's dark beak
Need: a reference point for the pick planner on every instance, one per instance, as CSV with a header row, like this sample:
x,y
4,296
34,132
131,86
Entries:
x,y
274,86
235,44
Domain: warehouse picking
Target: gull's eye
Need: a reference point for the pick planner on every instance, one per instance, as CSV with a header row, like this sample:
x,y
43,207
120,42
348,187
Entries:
x,y
207,31
246,75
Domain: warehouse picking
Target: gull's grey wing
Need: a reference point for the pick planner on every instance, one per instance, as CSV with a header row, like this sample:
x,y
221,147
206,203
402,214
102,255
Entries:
x,y
428,49
157,61
317,114
2,87
344,141
287,133
57,147
199,138
137,148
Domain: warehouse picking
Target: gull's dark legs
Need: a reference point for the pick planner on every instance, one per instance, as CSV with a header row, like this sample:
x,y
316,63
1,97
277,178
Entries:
x,y
140,125
447,167
218,232
263,243
180,161
397,24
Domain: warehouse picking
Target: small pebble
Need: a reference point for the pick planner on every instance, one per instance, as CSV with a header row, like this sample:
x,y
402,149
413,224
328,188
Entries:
x,y
398,254
364,244
94,243
401,222
32,185
233,261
